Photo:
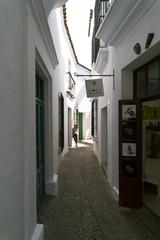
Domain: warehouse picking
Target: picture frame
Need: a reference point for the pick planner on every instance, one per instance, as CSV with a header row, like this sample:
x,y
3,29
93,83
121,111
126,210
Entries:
x,y
128,168
128,131
128,111
129,149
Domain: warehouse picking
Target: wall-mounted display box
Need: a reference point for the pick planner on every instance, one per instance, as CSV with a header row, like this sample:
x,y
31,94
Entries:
x,y
130,164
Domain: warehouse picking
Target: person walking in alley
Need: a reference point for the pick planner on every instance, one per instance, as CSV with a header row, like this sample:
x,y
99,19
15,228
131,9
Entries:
x,y
75,133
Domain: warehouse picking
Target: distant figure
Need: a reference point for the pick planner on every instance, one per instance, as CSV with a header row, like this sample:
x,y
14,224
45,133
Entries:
x,y
75,133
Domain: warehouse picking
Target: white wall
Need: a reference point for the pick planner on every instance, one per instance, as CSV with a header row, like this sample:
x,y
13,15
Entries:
x,y
64,55
125,61
36,50
22,45
20,37
84,103
12,119
57,82
106,101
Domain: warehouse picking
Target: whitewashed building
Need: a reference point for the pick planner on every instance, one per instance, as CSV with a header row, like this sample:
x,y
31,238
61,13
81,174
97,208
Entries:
x,y
126,43
37,64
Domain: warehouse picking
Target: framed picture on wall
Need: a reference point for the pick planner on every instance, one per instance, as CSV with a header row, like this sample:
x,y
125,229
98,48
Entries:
x,y
128,131
129,149
128,168
128,111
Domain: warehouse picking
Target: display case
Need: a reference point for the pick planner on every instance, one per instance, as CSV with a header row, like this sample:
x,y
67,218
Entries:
x,y
130,167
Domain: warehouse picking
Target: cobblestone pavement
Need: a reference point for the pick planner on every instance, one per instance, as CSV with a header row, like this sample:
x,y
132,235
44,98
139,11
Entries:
x,y
85,208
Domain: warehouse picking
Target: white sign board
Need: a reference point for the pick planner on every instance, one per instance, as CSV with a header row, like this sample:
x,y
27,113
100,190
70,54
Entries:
x,y
94,88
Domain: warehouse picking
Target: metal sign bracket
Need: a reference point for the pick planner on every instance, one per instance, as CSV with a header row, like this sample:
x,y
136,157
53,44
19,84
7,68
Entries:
x,y
95,75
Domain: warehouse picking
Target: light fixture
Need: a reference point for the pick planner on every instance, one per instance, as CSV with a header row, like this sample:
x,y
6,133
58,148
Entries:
x,y
137,48
149,40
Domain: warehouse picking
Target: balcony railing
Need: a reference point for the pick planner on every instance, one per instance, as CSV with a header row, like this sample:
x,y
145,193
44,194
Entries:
x,y
101,7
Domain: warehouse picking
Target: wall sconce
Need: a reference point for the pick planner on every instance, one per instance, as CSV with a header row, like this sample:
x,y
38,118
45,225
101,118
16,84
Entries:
x,y
149,40
137,48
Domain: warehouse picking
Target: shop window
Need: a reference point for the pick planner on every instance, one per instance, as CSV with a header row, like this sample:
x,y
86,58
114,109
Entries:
x,y
153,78
151,153
141,82
94,118
61,121
147,79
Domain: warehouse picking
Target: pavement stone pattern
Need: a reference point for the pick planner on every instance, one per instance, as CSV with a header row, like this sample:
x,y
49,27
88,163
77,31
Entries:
x,y
85,208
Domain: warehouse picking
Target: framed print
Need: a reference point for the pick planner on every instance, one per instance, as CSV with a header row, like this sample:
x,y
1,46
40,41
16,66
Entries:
x,y
129,149
129,168
129,131
130,154
128,111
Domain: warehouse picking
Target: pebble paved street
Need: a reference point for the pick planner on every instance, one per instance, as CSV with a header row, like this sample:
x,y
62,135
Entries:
x,y
85,208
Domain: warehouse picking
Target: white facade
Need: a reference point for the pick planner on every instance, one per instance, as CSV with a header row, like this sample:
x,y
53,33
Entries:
x,y
84,103
29,45
125,24
12,120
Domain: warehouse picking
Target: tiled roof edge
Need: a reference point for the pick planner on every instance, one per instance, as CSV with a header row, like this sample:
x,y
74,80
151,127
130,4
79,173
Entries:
x,y
69,36
67,30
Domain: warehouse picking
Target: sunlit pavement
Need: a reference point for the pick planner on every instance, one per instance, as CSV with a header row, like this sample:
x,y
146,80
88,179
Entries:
x,y
83,143
85,208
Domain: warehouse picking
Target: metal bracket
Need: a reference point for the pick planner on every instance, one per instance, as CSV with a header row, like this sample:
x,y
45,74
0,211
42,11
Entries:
x,y
95,75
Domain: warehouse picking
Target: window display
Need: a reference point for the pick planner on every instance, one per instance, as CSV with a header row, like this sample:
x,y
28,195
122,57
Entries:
x,y
151,154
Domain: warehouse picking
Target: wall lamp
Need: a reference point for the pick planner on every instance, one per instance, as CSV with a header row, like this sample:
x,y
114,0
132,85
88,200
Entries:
x,y
149,39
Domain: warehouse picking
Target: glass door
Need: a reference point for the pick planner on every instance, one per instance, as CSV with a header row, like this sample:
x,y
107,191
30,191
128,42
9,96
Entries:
x,y
40,139
151,154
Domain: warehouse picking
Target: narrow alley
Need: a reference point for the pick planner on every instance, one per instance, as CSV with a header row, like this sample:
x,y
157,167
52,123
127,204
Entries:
x,y
88,70
86,209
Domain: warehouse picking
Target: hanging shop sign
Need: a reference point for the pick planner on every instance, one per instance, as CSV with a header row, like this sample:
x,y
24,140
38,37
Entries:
x,y
94,88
